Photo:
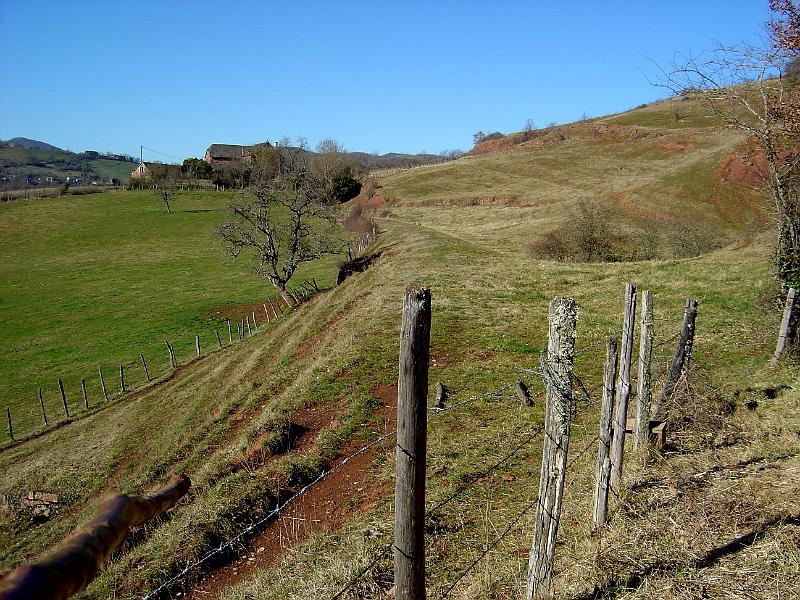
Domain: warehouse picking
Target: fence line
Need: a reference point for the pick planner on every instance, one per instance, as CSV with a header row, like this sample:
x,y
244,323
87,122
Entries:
x,y
276,511
124,378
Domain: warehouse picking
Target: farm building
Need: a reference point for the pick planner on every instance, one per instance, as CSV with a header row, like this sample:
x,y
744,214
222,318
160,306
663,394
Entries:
x,y
226,153
140,171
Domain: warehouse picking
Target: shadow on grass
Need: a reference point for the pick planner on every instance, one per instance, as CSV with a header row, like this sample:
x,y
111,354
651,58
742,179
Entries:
x,y
616,587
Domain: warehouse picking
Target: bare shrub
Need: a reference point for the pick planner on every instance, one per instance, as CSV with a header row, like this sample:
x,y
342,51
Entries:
x,y
553,245
690,239
588,235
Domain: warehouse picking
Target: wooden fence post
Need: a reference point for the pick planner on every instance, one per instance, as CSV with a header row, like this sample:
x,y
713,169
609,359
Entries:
x,y
272,306
10,425
41,403
121,379
219,341
603,467
144,364
522,393
784,331
441,396
623,386
255,324
249,331
63,397
230,334
683,351
644,395
412,395
557,372
197,345
171,354
266,314
102,382
85,396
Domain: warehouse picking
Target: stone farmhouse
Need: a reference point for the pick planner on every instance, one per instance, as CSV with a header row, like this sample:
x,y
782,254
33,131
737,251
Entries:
x,y
220,154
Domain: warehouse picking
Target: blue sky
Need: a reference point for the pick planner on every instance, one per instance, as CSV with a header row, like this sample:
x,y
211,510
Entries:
x,y
407,76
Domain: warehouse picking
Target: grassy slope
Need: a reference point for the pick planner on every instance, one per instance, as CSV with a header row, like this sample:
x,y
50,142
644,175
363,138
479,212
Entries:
x,y
48,163
96,280
489,320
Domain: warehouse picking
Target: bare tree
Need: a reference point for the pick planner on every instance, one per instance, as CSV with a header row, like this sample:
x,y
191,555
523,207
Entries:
x,y
283,221
744,87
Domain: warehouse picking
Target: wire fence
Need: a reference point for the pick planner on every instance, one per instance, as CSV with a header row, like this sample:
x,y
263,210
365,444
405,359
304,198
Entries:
x,y
582,397
83,396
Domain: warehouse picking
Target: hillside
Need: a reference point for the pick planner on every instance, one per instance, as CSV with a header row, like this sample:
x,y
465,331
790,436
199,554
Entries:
x,y
29,144
252,422
31,163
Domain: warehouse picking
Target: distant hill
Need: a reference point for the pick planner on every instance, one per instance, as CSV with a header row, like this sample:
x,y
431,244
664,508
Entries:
x,y
26,163
28,144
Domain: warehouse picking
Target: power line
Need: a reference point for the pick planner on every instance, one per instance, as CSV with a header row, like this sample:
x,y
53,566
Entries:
x,y
163,153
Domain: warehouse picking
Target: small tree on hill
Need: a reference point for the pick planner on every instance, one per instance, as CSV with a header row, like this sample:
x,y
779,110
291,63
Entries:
x,y
744,87
283,222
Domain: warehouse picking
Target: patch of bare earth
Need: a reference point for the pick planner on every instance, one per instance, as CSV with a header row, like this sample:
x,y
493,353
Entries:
x,y
348,490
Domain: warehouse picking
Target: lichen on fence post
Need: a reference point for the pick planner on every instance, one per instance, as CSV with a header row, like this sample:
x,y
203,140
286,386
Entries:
x,y
557,372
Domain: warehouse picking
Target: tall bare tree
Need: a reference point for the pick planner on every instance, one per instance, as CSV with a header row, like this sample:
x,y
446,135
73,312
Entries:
x,y
283,220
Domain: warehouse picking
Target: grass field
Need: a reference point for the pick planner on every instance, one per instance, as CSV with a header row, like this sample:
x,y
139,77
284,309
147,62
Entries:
x,y
93,281
331,366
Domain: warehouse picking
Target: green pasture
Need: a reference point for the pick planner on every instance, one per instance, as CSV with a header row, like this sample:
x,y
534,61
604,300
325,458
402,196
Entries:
x,y
93,281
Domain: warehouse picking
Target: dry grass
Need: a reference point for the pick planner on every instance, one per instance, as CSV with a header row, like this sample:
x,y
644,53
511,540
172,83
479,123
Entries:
x,y
489,320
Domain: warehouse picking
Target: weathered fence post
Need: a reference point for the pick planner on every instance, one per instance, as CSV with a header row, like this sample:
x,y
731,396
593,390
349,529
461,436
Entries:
x,y
266,314
85,395
272,306
41,403
230,334
197,345
121,379
219,341
63,397
412,394
683,351
255,323
249,331
144,364
557,372
522,393
10,425
603,467
102,382
441,396
784,331
644,395
171,354
623,386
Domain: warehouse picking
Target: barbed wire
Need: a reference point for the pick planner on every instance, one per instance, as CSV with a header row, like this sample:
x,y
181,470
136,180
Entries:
x,y
449,498
517,518
229,543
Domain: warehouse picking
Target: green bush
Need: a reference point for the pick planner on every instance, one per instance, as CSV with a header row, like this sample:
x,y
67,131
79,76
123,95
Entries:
x,y
344,187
